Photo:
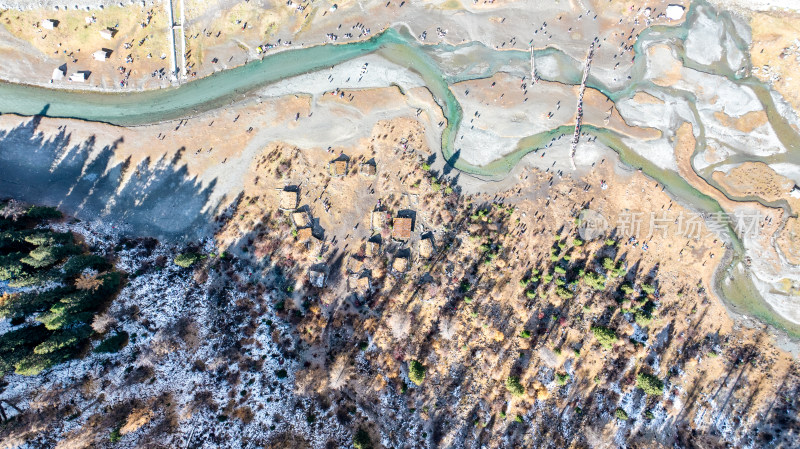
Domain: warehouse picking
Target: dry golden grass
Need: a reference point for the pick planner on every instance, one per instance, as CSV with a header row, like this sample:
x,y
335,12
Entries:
x,y
746,123
772,33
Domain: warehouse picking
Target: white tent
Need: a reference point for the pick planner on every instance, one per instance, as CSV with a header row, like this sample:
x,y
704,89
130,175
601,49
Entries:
x,y
59,73
100,55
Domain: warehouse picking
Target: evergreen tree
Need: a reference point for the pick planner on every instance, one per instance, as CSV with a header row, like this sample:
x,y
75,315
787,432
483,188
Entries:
x,y
34,364
76,264
63,339
416,372
10,266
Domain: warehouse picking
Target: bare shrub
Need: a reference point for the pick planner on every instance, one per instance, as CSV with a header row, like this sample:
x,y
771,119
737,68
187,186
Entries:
x,y
13,210
339,373
400,324
186,329
88,280
448,327
103,322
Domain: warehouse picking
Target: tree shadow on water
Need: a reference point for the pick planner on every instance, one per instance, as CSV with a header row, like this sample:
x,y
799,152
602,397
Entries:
x,y
156,199
450,163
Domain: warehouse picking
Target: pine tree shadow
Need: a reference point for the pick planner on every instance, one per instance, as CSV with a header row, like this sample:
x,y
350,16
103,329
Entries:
x,y
157,199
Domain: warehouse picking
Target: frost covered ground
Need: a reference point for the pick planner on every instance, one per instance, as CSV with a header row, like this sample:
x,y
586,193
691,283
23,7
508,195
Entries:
x,y
186,363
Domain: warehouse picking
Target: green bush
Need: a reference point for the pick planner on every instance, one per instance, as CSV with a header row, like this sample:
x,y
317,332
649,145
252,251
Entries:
x,y
514,386
621,414
48,237
562,378
650,384
113,344
281,374
610,242
63,339
20,305
530,294
615,270
627,289
361,440
642,317
564,293
525,334
605,336
577,242
560,270
60,317
186,260
595,281
43,213
10,266
416,372
518,418
18,344
34,364
42,256
115,435
31,279
648,289
76,264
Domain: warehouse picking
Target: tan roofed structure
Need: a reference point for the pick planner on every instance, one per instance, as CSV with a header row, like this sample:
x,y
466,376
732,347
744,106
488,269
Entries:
x,y
359,283
369,170
400,264
301,219
426,248
304,234
373,249
355,264
288,199
338,168
401,228
379,219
